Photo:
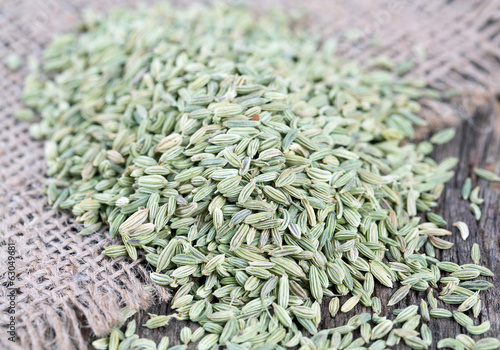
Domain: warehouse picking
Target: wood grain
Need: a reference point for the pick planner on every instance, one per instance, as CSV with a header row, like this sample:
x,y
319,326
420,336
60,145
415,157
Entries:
x,y
477,144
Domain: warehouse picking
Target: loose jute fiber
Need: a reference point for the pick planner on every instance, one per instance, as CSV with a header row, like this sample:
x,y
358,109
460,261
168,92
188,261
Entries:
x,y
63,282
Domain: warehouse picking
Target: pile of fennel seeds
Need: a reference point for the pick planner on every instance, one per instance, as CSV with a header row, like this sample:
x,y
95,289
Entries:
x,y
258,175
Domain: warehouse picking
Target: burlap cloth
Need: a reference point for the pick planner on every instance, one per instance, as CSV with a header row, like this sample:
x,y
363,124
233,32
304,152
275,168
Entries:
x,y
64,283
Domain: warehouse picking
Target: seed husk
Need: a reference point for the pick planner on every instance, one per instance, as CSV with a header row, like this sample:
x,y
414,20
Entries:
x,y
475,253
486,174
450,343
480,329
333,306
463,228
399,295
488,344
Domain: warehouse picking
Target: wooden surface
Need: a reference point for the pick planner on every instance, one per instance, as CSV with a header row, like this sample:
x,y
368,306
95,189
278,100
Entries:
x,y
477,144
